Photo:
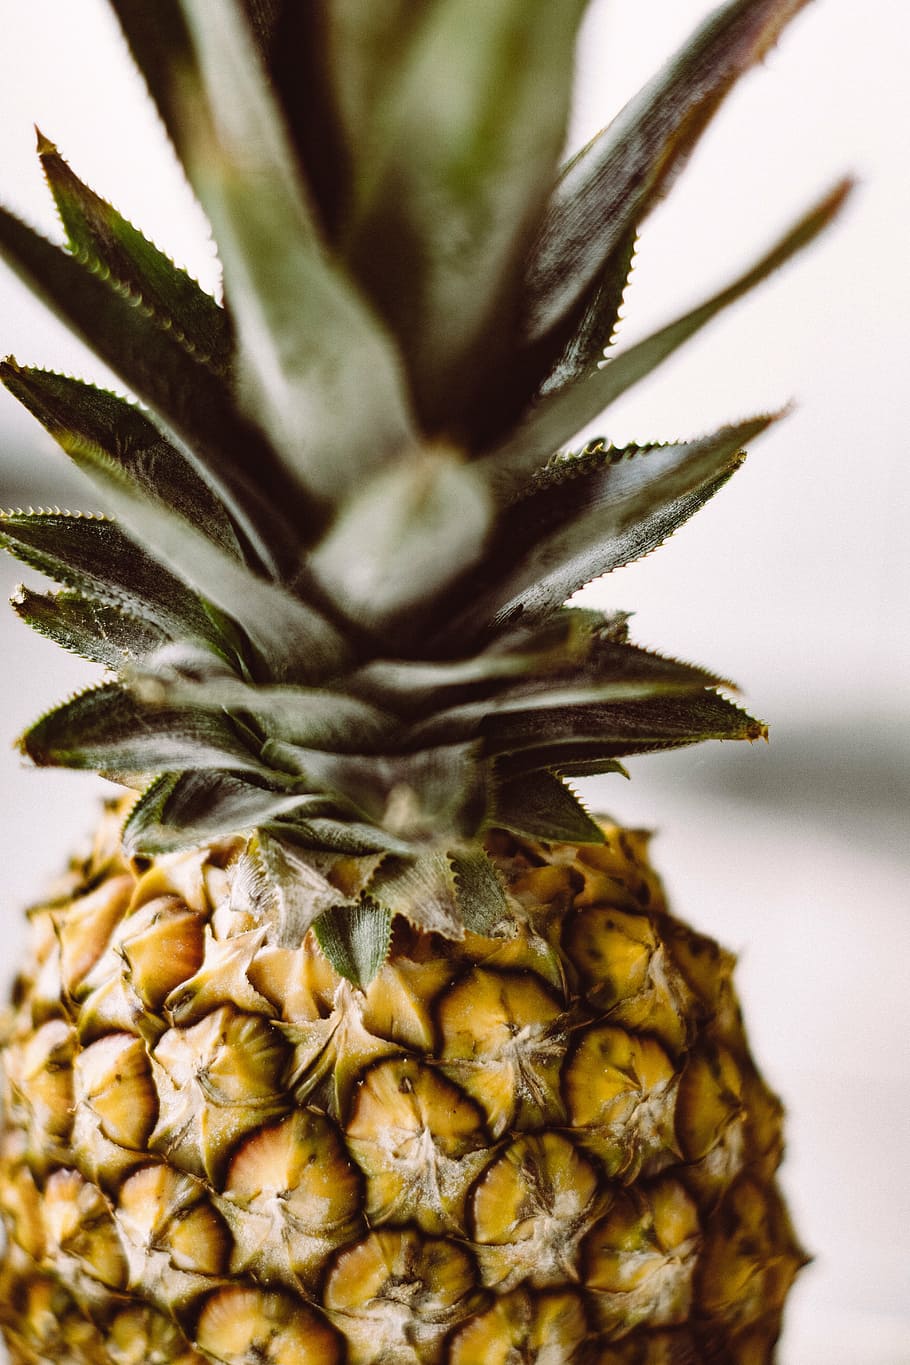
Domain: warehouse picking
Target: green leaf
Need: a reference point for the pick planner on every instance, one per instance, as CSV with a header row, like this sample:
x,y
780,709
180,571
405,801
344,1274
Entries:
x,y
608,188
160,44
588,514
421,796
365,47
193,404
356,940
396,544
556,739
293,640
540,806
308,716
421,889
105,728
297,888
443,892
183,810
342,836
591,767
591,328
95,630
87,421
408,685
314,366
480,896
93,556
558,416
612,672
109,243
463,149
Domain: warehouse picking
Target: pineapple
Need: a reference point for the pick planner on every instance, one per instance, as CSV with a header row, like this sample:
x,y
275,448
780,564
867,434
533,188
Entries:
x,y
355,1037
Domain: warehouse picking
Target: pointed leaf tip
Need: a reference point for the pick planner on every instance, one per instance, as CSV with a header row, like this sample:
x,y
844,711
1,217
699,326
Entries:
x,y
43,145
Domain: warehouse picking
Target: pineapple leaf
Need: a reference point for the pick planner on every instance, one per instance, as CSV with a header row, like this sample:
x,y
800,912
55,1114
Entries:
x,y
403,539
340,835
160,44
463,151
98,631
194,405
421,889
356,940
307,716
612,673
105,728
93,556
479,893
298,890
362,51
406,685
87,421
608,188
182,809
293,639
314,366
100,235
559,415
541,806
585,515
411,795
592,326
591,767
554,739
445,892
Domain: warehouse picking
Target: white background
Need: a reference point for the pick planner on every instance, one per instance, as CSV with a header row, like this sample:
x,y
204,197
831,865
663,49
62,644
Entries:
x,y
795,581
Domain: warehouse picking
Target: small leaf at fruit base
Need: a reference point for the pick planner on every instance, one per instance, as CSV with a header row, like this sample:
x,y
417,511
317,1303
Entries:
x,y
102,236
397,543
299,890
92,555
356,940
462,150
542,806
422,889
479,892
97,631
611,184
560,415
181,810
86,421
314,366
104,727
447,892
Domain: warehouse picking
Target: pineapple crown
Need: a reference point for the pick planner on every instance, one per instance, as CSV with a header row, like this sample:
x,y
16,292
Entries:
x,y
343,523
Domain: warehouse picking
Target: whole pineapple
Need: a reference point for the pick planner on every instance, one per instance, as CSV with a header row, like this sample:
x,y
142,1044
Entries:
x,y
355,1037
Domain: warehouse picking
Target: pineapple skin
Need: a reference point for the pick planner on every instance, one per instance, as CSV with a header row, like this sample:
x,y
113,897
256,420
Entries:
x,y
553,1146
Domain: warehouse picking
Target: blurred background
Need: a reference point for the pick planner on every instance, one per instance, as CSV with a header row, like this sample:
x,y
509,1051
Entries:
x,y
795,581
